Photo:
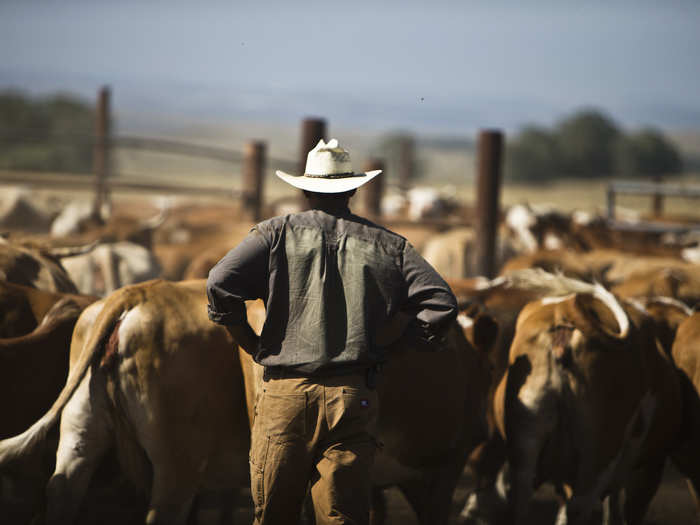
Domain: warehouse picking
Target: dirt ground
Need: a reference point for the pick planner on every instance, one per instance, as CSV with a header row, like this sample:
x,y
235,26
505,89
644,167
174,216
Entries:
x,y
672,505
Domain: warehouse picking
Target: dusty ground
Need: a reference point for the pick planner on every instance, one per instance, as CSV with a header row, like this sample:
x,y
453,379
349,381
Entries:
x,y
672,505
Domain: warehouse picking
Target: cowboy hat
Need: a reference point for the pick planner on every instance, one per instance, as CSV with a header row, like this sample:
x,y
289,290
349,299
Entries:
x,y
328,170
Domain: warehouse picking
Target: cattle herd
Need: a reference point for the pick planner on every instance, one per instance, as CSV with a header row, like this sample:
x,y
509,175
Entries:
x,y
577,367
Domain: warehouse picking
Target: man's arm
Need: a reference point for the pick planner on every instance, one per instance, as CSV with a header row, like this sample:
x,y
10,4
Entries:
x,y
240,276
429,302
244,335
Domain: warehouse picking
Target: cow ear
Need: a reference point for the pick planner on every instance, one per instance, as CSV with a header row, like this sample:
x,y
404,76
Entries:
x,y
593,316
485,332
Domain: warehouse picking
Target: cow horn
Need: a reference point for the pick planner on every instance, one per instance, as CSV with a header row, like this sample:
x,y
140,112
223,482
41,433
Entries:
x,y
73,251
609,300
668,301
65,308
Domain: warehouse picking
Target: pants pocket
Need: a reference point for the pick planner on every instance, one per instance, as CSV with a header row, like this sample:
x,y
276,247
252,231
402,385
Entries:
x,y
360,406
283,416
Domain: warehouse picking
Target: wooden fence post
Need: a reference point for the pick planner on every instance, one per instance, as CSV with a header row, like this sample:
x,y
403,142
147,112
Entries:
x,y
253,178
101,151
488,190
312,130
374,189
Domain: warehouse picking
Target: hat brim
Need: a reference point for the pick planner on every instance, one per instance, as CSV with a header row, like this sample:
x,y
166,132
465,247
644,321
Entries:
x,y
327,185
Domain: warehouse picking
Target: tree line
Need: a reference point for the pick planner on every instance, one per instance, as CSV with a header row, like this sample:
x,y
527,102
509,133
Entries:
x,y
589,144
53,133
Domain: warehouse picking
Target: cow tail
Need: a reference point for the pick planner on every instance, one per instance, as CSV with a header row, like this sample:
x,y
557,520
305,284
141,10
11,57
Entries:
x,y
16,447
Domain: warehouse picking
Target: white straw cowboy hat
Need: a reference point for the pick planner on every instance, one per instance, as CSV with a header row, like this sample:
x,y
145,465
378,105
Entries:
x,y
328,170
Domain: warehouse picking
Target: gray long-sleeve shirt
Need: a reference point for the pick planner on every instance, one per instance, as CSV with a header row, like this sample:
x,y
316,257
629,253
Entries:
x,y
330,281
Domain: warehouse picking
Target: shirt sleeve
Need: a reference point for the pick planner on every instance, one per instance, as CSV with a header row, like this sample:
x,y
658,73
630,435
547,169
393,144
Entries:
x,y
240,276
428,297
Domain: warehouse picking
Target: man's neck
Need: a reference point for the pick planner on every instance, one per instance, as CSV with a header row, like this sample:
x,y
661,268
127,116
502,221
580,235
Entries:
x,y
332,206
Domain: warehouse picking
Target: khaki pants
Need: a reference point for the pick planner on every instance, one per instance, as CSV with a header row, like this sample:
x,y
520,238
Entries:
x,y
313,433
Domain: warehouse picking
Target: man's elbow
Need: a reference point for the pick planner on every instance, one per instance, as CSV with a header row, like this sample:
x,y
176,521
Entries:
x,y
223,307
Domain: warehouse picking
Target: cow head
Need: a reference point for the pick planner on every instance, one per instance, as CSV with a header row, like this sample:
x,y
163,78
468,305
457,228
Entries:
x,y
574,331
595,311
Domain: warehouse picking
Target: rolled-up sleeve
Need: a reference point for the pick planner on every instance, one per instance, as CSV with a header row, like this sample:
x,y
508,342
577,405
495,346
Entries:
x,y
428,297
240,276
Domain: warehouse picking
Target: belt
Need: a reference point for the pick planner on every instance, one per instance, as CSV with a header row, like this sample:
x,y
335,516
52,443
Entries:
x,y
279,372
282,373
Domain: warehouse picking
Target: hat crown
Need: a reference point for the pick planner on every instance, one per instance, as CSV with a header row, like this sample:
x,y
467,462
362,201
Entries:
x,y
328,158
328,170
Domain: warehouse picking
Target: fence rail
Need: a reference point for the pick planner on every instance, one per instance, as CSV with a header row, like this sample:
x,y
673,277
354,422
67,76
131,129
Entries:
x,y
67,181
657,190
193,150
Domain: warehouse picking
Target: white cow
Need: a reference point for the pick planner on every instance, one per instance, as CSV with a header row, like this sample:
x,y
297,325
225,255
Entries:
x,y
111,266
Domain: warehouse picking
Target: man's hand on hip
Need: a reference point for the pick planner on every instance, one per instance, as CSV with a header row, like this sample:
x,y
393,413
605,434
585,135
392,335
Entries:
x,y
245,337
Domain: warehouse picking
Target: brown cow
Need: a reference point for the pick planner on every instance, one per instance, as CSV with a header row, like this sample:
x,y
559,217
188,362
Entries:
x,y
433,409
22,307
34,367
192,231
567,262
589,402
599,233
610,267
686,354
199,266
151,375
682,283
502,298
667,314
616,265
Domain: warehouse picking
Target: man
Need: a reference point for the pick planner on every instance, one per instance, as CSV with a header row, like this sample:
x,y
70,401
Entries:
x,y
332,282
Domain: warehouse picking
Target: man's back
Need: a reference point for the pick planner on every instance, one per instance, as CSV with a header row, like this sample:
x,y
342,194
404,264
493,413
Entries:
x,y
334,280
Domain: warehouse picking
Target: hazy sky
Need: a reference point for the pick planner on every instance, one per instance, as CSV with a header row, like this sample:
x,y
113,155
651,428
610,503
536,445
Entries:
x,y
440,64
